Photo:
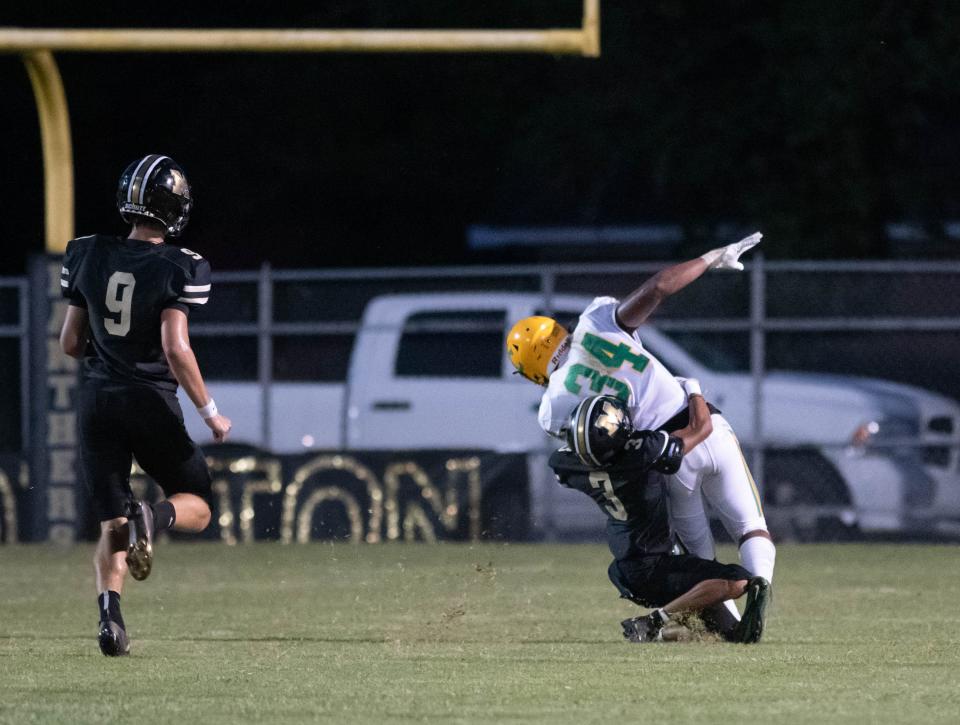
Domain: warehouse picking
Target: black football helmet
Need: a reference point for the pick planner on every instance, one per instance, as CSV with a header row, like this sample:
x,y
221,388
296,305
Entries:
x,y
156,187
599,429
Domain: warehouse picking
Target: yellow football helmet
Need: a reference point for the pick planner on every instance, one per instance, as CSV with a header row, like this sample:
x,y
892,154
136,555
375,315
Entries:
x,y
535,345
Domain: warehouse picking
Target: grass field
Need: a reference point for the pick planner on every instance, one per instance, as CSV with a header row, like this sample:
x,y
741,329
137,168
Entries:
x,y
458,633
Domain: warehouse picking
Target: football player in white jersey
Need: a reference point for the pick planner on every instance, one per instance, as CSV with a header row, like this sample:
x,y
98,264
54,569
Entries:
x,y
605,355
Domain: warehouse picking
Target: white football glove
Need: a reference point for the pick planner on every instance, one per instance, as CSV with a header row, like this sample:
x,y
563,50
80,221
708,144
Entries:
x,y
728,257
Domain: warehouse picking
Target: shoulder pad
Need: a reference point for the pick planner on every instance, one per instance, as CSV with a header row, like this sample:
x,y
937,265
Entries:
x,y
69,271
601,302
80,245
564,462
671,457
83,241
191,286
184,258
654,449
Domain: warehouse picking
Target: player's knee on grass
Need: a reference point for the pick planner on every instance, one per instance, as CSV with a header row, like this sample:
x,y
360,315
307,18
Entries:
x,y
620,581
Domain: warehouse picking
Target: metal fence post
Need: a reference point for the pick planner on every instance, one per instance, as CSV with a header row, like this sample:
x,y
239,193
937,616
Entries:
x,y
758,360
548,285
23,297
265,350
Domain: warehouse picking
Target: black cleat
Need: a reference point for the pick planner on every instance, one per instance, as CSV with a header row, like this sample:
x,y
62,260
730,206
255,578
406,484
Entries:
x,y
113,639
751,624
642,629
140,551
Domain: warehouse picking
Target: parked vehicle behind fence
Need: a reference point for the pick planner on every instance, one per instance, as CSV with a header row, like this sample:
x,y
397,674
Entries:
x,y
429,371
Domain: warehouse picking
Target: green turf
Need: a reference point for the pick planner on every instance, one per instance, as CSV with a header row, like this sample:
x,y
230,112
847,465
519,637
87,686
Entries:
x,y
458,633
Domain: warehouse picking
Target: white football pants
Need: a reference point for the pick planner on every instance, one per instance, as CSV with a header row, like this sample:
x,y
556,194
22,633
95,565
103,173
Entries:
x,y
717,470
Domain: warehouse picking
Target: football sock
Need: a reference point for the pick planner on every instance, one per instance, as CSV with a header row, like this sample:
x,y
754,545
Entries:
x,y
660,617
164,515
758,555
731,607
718,619
108,603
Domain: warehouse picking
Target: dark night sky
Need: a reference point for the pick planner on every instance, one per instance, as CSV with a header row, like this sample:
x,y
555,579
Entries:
x,y
819,123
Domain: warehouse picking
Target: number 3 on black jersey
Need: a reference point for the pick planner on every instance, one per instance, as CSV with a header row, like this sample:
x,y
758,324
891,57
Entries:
x,y
615,507
119,300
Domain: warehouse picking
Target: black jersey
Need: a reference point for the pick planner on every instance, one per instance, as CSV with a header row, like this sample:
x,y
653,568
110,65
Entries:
x,y
125,284
632,496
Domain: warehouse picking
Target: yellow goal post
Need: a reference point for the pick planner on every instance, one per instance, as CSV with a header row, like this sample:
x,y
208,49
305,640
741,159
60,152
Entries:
x,y
37,46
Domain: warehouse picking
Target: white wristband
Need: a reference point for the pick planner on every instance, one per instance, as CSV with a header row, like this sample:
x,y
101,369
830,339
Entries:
x,y
209,410
712,256
691,386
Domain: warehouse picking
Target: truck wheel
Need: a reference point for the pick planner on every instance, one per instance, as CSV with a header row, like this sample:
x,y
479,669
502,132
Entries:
x,y
806,499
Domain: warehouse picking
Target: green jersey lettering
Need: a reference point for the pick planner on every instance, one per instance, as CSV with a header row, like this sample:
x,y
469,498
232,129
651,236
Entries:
x,y
614,356
576,371
598,381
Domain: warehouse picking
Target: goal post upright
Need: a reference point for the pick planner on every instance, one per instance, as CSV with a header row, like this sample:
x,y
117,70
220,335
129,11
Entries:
x,y
37,45
57,147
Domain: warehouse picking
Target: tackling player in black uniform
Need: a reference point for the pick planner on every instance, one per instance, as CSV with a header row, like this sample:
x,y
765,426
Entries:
x,y
127,321
613,464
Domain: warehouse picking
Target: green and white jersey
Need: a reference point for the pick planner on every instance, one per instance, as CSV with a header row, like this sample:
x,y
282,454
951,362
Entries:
x,y
606,360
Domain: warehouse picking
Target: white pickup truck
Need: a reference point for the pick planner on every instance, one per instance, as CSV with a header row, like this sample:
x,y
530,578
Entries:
x,y
429,371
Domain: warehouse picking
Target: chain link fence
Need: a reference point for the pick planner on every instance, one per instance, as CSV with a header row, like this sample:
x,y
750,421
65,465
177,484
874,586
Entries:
x,y
883,336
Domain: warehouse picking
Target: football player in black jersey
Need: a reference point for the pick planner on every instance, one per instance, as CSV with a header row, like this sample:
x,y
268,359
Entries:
x,y
617,467
127,322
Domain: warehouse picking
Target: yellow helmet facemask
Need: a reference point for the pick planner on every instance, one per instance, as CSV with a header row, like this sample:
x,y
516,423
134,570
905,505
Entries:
x,y
535,346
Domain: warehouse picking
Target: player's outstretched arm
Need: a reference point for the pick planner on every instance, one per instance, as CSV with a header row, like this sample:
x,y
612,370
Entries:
x,y
75,331
175,338
641,303
700,425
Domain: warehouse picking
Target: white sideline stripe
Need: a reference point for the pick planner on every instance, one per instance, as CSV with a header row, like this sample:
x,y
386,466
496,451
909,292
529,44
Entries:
x,y
193,300
196,288
64,283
